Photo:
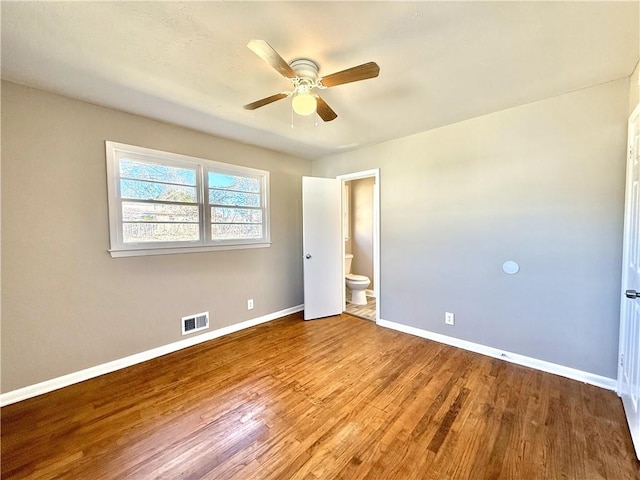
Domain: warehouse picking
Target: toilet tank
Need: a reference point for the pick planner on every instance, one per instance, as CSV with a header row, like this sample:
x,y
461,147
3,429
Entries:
x,y
348,257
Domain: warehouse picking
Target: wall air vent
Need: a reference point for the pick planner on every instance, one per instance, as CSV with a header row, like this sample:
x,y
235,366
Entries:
x,y
195,323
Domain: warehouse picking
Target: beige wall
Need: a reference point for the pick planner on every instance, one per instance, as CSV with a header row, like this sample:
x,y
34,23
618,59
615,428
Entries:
x,y
66,305
634,88
541,184
362,227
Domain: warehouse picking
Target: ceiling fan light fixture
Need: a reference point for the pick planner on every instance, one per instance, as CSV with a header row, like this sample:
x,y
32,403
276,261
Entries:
x,y
303,75
304,103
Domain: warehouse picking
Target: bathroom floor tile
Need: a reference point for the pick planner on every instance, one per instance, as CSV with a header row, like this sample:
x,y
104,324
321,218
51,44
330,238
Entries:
x,y
367,311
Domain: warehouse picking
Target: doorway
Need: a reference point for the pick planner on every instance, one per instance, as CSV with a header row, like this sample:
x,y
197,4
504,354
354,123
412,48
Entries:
x,y
361,240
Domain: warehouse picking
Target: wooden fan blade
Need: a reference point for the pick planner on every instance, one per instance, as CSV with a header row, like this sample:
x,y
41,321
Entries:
x,y
273,58
353,74
265,101
324,111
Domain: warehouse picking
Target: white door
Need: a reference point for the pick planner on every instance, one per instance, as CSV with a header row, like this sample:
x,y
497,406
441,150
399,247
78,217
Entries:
x,y
322,247
629,366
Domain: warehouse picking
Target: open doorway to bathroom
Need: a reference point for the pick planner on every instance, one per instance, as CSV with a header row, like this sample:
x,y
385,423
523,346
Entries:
x,y
361,233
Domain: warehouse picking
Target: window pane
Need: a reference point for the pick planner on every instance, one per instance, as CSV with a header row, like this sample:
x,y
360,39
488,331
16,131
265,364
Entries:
x,y
160,173
235,215
157,200
142,190
156,212
230,232
159,232
232,182
223,197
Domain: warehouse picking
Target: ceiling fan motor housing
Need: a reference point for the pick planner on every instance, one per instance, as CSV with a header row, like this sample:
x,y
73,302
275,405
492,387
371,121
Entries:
x,y
305,68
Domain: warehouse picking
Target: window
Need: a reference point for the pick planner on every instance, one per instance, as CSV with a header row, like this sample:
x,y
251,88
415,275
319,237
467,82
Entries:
x,y
162,202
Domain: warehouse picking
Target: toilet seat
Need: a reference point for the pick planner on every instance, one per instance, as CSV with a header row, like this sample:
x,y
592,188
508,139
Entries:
x,y
356,278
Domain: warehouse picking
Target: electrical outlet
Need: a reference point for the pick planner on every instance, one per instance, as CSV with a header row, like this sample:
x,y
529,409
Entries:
x,y
449,318
250,304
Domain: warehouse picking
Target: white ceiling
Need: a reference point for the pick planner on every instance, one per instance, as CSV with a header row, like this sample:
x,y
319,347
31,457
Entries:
x,y
440,62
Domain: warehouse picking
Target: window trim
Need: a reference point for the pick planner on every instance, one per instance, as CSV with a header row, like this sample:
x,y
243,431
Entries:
x,y
114,152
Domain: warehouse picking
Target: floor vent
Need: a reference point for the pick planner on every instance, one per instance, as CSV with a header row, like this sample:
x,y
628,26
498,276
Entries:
x,y
195,323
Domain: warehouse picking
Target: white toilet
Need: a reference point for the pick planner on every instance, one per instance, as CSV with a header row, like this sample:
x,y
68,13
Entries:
x,y
356,283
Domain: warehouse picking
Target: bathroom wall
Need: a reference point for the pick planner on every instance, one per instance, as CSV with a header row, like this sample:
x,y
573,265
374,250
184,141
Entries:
x,y
348,216
634,88
362,227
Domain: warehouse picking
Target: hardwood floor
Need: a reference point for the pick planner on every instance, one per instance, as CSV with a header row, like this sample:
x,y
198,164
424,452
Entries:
x,y
333,398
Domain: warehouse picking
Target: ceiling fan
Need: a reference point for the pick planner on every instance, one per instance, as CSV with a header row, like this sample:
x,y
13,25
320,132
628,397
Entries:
x,y
303,75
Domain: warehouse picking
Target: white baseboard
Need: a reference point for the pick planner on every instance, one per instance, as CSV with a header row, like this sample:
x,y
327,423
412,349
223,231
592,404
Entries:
x,y
92,372
568,372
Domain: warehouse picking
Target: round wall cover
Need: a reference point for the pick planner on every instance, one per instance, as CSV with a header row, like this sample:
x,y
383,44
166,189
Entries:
x,y
510,267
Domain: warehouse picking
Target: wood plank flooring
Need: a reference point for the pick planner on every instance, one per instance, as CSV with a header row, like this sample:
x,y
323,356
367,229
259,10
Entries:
x,y
336,398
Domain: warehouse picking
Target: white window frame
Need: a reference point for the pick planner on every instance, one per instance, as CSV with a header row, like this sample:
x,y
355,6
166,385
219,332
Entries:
x,y
118,248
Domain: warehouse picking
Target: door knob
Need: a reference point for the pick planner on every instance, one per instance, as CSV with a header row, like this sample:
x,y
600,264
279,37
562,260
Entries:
x,y
307,256
632,294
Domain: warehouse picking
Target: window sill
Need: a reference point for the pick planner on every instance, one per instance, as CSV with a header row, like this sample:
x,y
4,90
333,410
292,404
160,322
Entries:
x,y
140,252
